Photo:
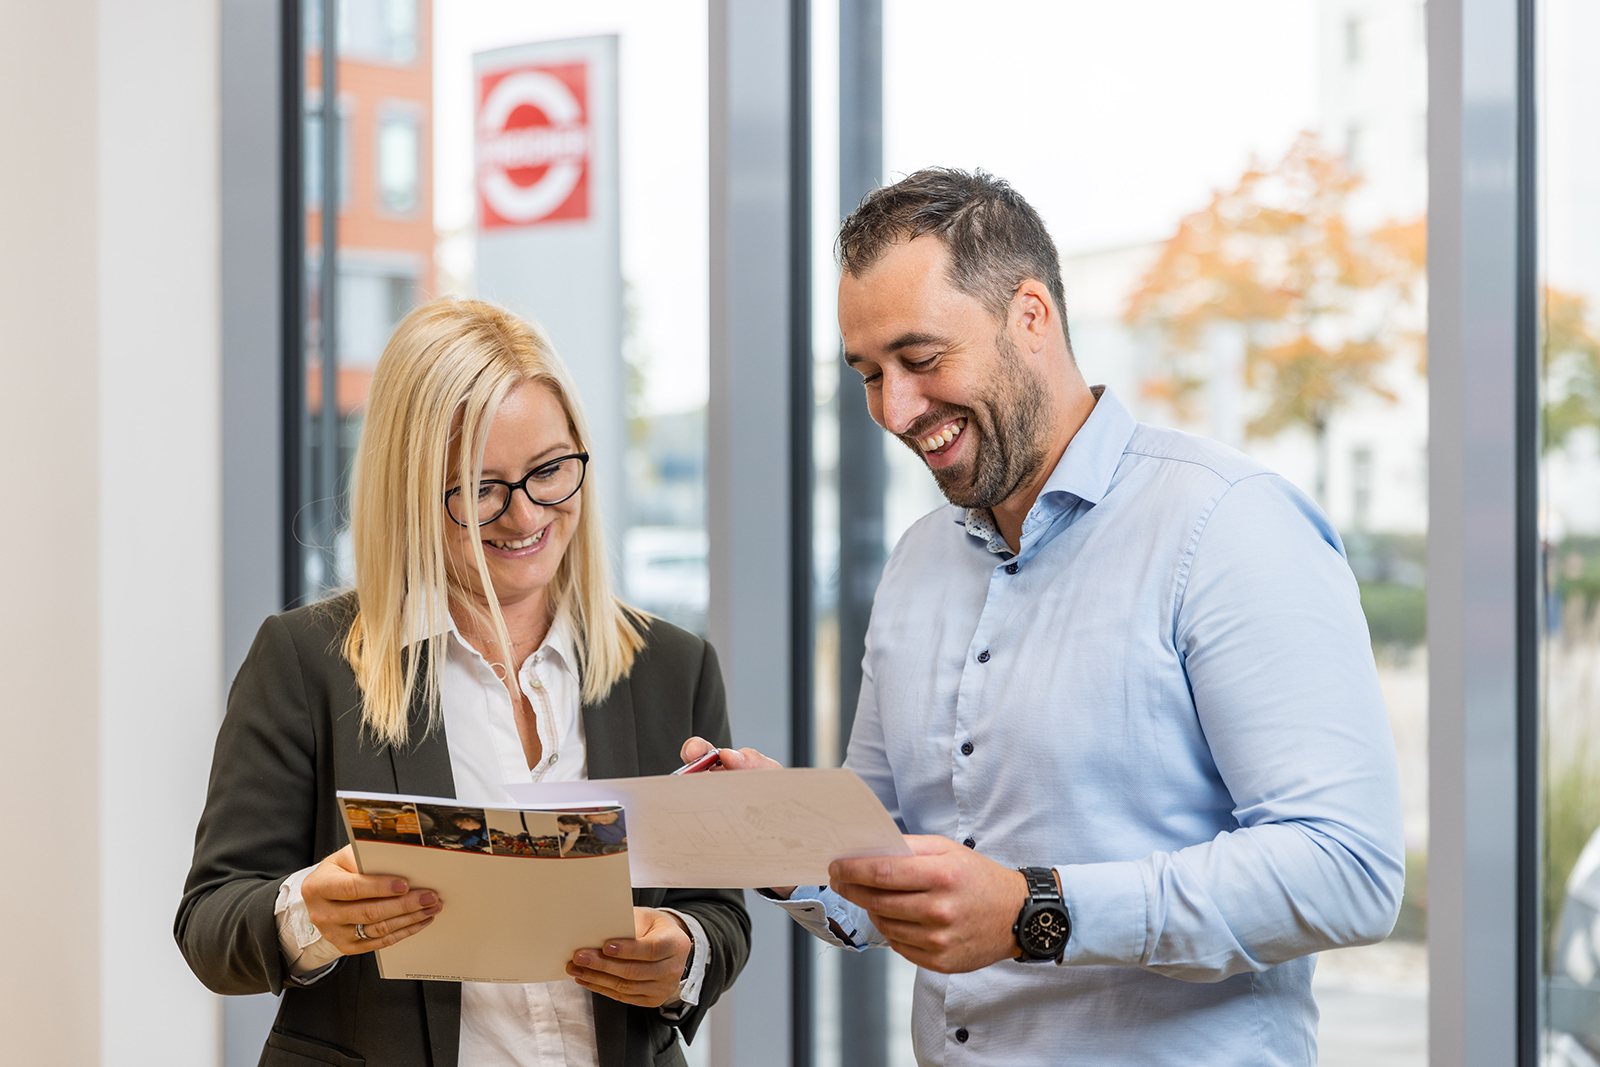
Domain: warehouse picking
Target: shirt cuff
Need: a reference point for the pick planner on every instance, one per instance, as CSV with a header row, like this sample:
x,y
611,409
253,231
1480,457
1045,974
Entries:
x,y
813,906
1106,905
305,951
690,987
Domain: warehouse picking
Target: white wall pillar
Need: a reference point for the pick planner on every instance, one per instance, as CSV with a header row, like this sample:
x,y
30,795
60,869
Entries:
x,y
110,559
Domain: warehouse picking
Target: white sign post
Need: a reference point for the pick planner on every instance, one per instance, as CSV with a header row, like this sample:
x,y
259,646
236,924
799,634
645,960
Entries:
x,y
548,239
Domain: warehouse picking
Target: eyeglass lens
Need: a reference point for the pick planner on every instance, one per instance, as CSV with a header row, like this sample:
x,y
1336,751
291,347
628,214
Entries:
x,y
546,485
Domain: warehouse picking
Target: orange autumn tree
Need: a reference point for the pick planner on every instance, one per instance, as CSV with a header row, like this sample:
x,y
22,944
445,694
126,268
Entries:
x,y
1321,307
1570,365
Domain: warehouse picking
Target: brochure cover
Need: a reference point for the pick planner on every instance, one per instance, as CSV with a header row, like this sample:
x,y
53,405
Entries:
x,y
523,889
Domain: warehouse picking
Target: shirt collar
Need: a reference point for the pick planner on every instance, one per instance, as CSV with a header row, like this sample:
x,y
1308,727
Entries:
x,y
1084,472
557,642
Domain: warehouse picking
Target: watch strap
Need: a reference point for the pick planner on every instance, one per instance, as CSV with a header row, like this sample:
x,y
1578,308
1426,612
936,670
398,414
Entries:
x,y
1042,884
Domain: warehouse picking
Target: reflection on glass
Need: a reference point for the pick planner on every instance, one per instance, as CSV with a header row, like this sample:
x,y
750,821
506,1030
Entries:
x,y
1242,225
1569,530
385,246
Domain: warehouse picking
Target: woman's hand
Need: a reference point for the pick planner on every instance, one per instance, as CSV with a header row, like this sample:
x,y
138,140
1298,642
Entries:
x,y
338,897
733,759
645,971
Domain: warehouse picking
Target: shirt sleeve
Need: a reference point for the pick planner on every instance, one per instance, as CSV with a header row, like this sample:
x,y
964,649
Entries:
x,y
826,915
689,987
1269,626
308,955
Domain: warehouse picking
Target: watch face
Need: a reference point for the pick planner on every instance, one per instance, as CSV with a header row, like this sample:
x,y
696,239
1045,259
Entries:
x,y
1044,933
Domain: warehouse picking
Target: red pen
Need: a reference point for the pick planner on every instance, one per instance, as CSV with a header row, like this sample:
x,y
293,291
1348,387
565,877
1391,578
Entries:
x,y
704,763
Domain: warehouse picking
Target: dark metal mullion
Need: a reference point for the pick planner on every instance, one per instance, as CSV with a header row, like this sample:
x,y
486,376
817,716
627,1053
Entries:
x,y
863,486
291,290
328,459
801,477
1529,569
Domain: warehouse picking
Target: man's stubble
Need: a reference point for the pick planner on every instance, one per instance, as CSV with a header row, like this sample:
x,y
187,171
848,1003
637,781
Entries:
x,y
1012,422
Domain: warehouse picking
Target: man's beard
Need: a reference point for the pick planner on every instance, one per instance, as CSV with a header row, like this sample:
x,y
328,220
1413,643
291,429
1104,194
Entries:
x,y
1012,422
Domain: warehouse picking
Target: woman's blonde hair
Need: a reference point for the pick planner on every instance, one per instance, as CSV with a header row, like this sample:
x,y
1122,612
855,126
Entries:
x,y
435,392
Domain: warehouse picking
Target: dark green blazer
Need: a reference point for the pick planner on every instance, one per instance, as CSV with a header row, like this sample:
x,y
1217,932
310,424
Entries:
x,y
292,736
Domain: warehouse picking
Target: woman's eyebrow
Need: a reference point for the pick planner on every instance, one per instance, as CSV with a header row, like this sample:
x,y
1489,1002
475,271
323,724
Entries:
x,y
564,448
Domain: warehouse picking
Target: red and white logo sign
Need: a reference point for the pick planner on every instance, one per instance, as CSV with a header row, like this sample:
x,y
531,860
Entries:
x,y
534,145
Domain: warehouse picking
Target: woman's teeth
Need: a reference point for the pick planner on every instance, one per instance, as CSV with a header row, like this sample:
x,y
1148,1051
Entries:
x,y
950,432
512,546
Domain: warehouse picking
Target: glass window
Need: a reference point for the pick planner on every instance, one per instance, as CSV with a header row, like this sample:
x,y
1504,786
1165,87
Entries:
x,y
383,30
1569,532
399,161
1219,119
313,151
415,224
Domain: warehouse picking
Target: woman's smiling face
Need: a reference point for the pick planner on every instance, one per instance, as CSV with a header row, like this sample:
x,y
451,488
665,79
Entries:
x,y
524,546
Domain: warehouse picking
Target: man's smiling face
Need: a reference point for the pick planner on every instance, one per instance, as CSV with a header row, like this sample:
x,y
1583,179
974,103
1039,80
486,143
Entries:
x,y
943,375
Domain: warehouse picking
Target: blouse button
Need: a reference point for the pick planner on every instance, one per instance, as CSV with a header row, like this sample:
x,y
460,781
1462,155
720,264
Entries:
x,y
535,682
554,756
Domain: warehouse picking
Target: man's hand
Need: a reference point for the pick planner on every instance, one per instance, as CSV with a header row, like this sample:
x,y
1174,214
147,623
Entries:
x,y
733,759
645,971
338,897
945,908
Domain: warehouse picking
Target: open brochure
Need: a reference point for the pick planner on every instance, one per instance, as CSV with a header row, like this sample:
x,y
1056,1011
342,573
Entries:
x,y
523,889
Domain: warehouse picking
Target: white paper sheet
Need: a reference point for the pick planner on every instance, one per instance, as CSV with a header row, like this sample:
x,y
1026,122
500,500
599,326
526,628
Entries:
x,y
736,829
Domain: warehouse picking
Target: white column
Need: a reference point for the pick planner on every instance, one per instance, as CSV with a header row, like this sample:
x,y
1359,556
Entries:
x,y
110,557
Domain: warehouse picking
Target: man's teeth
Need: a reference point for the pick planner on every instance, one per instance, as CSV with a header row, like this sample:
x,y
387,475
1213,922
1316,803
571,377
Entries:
x,y
512,546
944,436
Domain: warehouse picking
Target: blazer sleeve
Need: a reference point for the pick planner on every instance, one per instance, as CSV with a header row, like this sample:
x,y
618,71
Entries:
x,y
721,912
258,824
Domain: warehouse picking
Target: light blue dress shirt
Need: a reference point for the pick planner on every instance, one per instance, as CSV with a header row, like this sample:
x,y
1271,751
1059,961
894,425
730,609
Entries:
x,y
1169,696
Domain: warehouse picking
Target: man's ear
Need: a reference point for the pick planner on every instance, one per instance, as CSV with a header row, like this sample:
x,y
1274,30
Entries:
x,y
1032,315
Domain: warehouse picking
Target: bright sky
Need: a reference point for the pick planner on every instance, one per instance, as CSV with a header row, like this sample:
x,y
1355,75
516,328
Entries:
x,y
1114,119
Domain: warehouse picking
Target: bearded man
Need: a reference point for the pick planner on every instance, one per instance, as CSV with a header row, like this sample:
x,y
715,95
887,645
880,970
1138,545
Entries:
x,y
1120,692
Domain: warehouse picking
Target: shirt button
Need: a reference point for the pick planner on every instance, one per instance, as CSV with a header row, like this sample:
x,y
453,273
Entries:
x,y
554,756
966,748
536,683
1012,568
970,843
983,657
962,1035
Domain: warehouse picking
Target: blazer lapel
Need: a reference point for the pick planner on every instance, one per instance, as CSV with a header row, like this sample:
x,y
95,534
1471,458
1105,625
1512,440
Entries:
x,y
422,768
612,746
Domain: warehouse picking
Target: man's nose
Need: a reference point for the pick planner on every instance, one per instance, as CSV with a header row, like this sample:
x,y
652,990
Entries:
x,y
900,403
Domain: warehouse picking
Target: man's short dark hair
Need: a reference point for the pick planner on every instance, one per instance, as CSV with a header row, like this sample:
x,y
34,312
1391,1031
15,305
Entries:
x,y
996,240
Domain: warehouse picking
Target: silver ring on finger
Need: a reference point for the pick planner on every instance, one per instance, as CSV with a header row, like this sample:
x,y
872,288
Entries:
x,y
361,933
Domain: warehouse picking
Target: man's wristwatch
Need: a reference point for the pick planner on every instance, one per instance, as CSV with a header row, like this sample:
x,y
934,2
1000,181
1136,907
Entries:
x,y
1042,927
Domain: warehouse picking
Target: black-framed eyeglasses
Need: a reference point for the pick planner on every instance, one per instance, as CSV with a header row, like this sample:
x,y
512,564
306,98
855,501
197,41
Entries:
x,y
548,484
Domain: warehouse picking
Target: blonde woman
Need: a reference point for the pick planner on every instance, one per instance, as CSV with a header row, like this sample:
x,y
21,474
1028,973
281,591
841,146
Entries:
x,y
482,644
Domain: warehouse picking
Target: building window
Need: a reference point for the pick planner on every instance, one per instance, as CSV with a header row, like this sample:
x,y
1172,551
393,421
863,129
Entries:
x,y
399,162
313,151
384,30
1361,486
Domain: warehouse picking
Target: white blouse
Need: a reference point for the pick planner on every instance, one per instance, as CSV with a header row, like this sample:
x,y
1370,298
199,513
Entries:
x,y
543,1024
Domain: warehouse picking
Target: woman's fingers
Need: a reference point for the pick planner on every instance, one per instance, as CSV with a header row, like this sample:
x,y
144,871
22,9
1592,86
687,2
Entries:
x,y
694,748
338,897
644,970
385,933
